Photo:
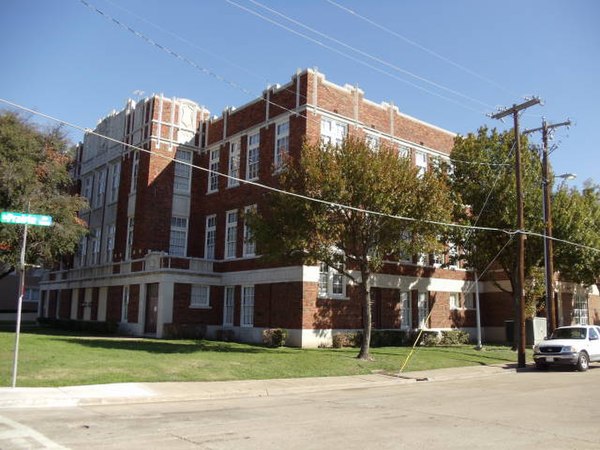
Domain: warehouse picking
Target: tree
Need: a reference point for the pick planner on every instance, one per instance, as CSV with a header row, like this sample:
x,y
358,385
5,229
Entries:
x,y
351,240
576,218
34,176
483,183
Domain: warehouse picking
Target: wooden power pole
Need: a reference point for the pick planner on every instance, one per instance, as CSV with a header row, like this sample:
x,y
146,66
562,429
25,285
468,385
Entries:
x,y
520,279
551,310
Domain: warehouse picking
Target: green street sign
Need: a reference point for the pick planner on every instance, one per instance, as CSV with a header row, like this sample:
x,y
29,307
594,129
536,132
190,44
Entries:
x,y
22,219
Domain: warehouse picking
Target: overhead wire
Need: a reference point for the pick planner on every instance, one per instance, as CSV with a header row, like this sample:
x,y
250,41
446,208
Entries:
x,y
421,47
352,58
282,191
370,56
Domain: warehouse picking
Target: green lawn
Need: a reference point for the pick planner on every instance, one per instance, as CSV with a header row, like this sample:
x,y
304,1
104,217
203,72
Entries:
x,y
51,358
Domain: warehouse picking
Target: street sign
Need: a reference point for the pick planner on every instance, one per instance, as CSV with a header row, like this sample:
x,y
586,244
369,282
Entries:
x,y
22,219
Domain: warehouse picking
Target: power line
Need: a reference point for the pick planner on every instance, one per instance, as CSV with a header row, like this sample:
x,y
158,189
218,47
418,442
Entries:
x,y
346,55
370,56
420,46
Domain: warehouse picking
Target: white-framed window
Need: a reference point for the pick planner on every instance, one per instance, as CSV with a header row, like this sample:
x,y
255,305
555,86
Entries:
x,y
333,132
580,309
200,296
421,259
469,300
372,141
231,234
178,236
453,256
87,189
129,244
210,237
253,158
332,283
100,188
31,295
247,309
282,143
405,311
234,164
423,306
135,167
183,171
114,182
454,300
403,151
110,242
421,162
83,248
249,242
213,174
125,304
228,306
95,245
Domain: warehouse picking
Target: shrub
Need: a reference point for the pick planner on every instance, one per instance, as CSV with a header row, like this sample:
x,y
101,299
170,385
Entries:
x,y
225,335
184,331
429,338
455,337
388,338
274,337
347,339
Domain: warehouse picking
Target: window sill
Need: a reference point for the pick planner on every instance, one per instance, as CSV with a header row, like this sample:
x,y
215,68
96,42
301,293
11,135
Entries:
x,y
333,297
200,307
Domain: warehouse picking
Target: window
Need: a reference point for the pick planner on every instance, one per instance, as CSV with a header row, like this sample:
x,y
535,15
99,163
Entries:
x,y
183,171
114,183
234,164
135,166
454,300
95,245
178,236
331,282
372,141
247,313
253,160
282,143
231,234
129,246
31,295
469,300
403,151
213,174
110,243
423,305
249,242
87,189
125,304
100,188
421,259
421,162
580,309
210,237
228,306
333,132
405,311
200,296
83,248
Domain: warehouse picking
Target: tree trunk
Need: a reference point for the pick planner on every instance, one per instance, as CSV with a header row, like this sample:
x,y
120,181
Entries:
x,y
365,291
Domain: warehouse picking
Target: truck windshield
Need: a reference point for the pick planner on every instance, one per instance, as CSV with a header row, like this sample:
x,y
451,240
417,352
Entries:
x,y
569,333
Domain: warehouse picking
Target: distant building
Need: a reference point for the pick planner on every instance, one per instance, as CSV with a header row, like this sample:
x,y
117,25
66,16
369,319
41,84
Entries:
x,y
168,247
9,295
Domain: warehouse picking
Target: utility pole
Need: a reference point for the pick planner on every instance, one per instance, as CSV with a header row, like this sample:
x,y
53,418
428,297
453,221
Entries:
x,y
551,309
520,279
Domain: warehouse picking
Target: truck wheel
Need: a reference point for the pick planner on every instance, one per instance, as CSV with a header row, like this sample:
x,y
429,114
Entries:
x,y
583,363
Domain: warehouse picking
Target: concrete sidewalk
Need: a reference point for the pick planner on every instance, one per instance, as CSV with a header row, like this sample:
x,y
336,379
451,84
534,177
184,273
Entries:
x,y
123,393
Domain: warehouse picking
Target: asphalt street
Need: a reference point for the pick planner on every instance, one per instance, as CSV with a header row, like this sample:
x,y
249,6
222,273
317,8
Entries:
x,y
558,409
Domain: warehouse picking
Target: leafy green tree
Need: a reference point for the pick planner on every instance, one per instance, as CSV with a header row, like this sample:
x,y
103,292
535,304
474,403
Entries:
x,y
351,240
34,177
483,183
576,218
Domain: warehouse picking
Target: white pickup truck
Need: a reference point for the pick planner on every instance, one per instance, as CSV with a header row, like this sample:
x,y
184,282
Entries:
x,y
576,345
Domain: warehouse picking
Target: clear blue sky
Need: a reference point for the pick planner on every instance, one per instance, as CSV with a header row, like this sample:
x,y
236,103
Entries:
x,y
63,59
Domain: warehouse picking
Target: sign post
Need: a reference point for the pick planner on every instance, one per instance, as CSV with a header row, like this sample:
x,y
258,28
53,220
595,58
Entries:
x,y
22,219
